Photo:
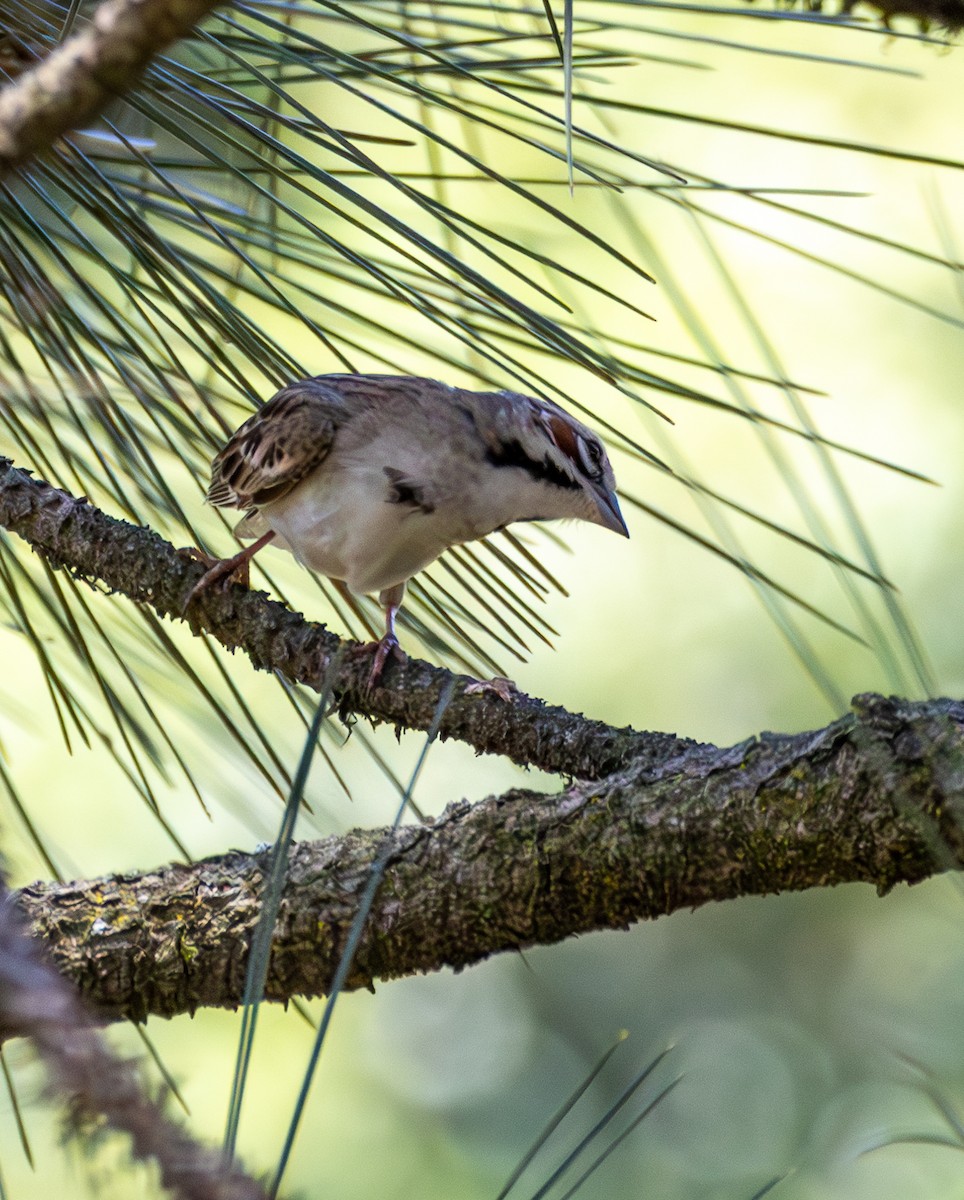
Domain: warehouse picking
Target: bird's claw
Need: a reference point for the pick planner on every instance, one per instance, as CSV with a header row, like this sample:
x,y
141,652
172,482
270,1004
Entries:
x,y
220,572
194,554
386,647
504,688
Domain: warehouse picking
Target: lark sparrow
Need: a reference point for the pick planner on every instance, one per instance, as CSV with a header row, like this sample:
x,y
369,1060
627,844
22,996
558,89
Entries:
x,y
369,478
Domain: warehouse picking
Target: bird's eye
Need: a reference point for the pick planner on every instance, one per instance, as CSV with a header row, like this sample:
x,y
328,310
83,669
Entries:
x,y
591,454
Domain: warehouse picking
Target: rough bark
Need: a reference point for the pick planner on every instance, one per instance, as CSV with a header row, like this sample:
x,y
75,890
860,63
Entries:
x,y
75,535
876,797
71,85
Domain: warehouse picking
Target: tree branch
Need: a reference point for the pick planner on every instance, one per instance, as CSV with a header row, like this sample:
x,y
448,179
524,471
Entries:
x,y
76,81
137,562
877,797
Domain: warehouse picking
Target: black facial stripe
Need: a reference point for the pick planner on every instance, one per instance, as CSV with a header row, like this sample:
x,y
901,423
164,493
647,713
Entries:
x,y
512,454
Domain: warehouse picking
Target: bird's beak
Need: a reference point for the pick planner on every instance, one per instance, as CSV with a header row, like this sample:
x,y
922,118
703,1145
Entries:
x,y
608,508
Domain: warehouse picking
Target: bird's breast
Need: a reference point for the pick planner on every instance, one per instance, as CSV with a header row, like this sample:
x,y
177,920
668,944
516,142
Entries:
x,y
385,504
345,524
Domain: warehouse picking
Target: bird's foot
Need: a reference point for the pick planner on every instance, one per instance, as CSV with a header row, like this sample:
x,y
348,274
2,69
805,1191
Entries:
x,y
384,649
220,572
504,688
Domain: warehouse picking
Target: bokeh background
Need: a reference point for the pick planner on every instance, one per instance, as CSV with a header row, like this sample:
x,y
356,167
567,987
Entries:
x,y
818,1036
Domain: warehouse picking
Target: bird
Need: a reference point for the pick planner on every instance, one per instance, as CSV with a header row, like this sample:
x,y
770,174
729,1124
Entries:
x,y
367,479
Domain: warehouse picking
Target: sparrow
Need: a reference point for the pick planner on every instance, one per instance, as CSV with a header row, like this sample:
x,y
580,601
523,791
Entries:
x,y
369,478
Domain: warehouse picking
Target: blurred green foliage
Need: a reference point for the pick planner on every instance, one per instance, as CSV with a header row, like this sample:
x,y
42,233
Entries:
x,y
306,188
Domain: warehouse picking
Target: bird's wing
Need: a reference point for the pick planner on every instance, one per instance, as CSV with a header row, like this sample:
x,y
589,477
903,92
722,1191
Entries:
x,y
276,448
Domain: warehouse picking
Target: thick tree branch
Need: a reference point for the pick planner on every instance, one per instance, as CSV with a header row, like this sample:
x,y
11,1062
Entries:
x,y
876,797
76,81
73,534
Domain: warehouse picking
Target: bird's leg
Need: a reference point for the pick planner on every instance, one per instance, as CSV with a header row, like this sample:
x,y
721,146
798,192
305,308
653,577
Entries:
x,y
391,600
222,569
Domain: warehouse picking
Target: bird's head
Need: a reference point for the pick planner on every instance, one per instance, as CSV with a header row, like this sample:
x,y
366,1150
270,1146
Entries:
x,y
559,453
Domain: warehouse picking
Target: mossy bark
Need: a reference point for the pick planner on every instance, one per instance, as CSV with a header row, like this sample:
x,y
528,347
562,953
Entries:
x,y
876,797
